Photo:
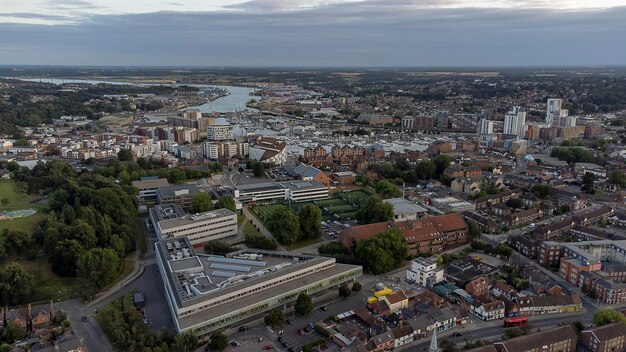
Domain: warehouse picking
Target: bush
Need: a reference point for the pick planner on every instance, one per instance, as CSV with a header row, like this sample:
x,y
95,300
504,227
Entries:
x,y
218,247
260,242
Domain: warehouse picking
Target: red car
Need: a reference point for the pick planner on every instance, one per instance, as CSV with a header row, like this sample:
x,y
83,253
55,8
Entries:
x,y
324,346
301,332
267,347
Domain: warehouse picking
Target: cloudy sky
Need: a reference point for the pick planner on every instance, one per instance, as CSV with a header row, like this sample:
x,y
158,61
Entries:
x,y
313,32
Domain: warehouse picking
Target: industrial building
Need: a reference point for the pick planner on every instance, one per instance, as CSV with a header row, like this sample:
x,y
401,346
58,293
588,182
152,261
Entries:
x,y
295,191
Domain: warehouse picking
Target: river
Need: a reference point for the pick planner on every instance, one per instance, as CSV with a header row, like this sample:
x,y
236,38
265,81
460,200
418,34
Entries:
x,y
235,101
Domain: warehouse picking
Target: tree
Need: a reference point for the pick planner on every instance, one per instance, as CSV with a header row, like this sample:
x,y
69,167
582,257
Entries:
x,y
441,163
16,285
5,201
285,225
383,252
13,332
447,346
356,286
425,170
218,341
218,247
588,181
226,202
200,203
258,169
99,266
515,203
608,316
125,155
374,210
17,240
617,177
310,217
304,304
274,318
387,190
260,242
541,191
344,290
64,257
474,231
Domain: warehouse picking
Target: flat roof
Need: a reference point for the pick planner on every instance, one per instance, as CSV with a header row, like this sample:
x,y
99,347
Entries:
x,y
259,187
404,206
150,183
253,298
303,185
166,211
193,218
170,191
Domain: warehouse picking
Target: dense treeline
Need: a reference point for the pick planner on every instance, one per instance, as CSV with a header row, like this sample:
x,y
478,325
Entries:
x,y
289,227
20,109
90,225
575,155
125,328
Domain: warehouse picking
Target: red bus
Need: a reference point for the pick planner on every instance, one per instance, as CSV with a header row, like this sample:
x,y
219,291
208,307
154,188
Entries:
x,y
519,321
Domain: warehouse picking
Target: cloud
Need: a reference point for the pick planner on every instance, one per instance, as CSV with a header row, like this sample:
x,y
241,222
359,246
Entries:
x,y
366,33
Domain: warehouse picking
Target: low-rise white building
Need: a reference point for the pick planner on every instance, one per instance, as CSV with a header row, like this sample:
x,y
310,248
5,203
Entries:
x,y
488,311
170,222
424,271
404,209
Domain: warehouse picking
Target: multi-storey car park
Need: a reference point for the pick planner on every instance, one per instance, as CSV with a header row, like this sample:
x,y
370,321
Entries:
x,y
209,292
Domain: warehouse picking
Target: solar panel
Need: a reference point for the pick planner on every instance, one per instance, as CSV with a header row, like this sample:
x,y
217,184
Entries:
x,y
236,261
245,269
222,274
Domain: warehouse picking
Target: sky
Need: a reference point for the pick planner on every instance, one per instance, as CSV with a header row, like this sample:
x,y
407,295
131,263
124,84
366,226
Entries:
x,y
313,32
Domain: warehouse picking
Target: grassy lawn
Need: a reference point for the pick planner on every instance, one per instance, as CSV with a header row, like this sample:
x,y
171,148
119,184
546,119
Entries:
x,y
249,229
18,201
48,285
301,244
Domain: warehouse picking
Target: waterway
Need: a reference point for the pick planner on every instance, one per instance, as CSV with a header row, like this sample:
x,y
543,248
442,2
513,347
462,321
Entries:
x,y
235,101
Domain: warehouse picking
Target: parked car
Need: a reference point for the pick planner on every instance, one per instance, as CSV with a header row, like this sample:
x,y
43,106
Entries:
x,y
235,343
324,308
324,346
301,332
290,321
243,328
267,347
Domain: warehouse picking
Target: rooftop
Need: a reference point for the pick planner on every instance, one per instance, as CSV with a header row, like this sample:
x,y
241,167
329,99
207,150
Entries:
x,y
174,222
404,206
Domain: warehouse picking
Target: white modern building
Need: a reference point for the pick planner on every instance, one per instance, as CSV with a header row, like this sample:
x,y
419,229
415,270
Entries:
x,y
295,191
485,127
219,132
207,293
553,112
514,121
424,271
170,222
404,209
269,150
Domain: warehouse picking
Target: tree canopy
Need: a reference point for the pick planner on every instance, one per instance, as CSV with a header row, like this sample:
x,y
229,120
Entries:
x,y
226,202
608,316
274,318
200,203
387,190
304,304
284,225
99,266
310,217
383,252
374,210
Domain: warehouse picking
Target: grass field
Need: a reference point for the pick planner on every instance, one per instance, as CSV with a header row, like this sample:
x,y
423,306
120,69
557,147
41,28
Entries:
x,y
249,229
354,197
48,285
17,201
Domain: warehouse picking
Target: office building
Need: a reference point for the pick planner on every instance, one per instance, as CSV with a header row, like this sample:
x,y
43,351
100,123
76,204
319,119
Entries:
x,y
207,293
295,191
424,271
171,222
148,186
177,194
404,209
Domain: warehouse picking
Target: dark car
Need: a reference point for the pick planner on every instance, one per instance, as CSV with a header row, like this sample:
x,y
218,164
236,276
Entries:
x,y
84,319
280,339
457,334
235,343
324,308
243,328
290,321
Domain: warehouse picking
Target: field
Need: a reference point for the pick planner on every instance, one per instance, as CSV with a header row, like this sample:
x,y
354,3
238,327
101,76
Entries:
x,y
17,201
48,284
343,206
